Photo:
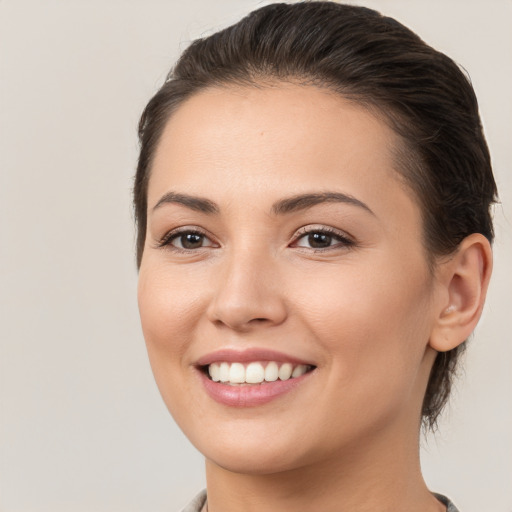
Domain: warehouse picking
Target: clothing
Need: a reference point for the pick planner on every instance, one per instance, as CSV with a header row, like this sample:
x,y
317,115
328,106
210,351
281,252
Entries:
x,y
198,503
450,507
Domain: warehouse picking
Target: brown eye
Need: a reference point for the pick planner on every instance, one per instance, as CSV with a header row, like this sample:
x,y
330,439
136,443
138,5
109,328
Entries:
x,y
189,240
322,239
319,240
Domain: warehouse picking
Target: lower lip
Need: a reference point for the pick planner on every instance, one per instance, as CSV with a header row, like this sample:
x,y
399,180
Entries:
x,y
250,395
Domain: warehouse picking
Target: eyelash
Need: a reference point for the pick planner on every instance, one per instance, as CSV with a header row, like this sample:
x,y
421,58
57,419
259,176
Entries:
x,y
342,239
168,238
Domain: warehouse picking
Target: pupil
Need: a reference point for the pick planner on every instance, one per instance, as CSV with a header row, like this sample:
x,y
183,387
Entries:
x,y
191,241
319,240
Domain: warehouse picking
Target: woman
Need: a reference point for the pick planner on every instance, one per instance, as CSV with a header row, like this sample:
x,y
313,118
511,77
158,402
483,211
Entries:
x,y
313,203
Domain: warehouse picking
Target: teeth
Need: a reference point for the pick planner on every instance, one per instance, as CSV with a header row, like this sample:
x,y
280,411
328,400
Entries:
x,y
285,372
237,373
214,372
254,373
271,372
299,370
224,372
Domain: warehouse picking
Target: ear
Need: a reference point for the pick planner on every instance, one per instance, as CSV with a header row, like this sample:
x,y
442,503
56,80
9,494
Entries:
x,y
464,279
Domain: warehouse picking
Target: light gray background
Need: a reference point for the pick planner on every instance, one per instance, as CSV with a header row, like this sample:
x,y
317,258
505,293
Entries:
x,y
82,427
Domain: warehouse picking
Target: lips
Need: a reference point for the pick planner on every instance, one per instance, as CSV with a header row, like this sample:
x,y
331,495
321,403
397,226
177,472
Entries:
x,y
251,377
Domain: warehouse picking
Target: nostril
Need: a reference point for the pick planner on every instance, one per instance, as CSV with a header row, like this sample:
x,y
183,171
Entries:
x,y
245,310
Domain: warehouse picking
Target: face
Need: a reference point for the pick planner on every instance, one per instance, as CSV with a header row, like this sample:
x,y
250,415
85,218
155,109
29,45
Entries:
x,y
280,240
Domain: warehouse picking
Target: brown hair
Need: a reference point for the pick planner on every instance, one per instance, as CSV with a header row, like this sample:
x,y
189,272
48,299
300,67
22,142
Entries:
x,y
379,63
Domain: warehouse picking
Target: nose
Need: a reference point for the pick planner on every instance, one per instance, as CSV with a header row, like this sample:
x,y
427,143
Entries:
x,y
248,293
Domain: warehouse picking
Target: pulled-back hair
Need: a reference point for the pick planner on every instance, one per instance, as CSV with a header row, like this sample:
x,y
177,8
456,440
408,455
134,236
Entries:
x,y
381,65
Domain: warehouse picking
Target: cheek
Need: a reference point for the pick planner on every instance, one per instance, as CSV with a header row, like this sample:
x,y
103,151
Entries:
x,y
372,324
167,306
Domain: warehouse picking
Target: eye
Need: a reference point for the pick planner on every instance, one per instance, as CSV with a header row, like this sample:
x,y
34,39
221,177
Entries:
x,y
324,238
187,240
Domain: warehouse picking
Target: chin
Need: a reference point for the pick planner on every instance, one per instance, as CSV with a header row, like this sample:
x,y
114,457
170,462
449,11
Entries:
x,y
254,460
258,451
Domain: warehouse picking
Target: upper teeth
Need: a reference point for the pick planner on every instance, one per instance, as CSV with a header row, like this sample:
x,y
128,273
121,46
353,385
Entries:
x,y
254,373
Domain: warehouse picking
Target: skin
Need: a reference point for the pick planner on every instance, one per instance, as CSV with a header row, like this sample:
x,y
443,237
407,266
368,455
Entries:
x,y
367,314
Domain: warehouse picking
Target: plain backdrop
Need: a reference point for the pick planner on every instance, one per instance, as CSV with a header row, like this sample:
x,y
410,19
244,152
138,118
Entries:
x,y
82,426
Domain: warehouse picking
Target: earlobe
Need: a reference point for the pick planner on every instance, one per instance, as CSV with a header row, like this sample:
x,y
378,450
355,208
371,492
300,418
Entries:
x,y
465,279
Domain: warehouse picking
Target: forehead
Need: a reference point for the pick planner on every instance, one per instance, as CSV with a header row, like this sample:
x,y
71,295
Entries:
x,y
275,139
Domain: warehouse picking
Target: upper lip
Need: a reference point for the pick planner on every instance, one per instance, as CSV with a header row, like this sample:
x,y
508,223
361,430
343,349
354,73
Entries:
x,y
246,356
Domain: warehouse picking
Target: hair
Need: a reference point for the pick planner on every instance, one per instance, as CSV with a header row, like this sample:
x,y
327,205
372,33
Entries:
x,y
380,64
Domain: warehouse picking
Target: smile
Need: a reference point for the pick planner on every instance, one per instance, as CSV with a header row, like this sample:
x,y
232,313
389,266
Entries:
x,y
251,377
255,372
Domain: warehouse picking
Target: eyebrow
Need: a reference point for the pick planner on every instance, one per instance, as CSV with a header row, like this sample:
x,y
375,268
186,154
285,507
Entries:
x,y
281,207
304,201
199,204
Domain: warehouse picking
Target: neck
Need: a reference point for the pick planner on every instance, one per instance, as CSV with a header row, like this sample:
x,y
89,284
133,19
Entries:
x,y
383,476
